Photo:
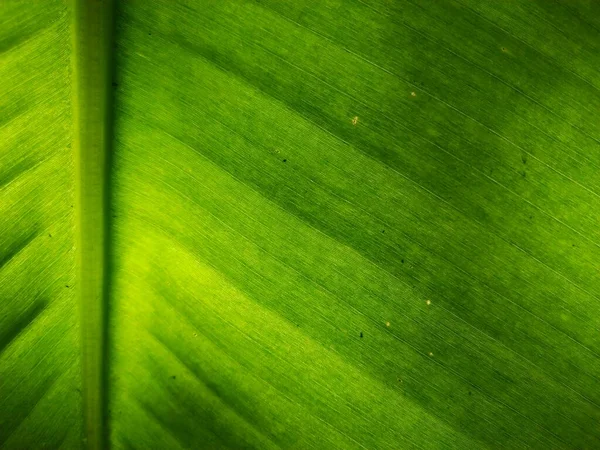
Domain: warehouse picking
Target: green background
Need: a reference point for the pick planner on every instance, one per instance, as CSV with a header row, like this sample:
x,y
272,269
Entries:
x,y
365,224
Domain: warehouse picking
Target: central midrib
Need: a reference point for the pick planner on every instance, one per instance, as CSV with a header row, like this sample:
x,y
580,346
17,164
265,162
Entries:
x,y
92,30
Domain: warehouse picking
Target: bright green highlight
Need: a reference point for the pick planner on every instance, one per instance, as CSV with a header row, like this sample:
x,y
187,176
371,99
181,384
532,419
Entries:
x,y
40,363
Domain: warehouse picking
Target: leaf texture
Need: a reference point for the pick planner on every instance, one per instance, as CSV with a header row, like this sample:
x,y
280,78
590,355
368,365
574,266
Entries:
x,y
364,224
40,387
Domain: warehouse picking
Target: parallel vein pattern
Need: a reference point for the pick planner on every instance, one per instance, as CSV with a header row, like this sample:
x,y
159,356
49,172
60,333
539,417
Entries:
x,y
40,388
356,224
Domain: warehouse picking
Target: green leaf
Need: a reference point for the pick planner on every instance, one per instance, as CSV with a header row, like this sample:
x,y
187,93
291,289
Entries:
x,y
365,224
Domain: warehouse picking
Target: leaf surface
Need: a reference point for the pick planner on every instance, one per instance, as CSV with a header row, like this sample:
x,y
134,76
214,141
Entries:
x,y
336,224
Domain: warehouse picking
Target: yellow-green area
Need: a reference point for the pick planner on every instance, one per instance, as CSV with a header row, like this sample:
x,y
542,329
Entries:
x,y
40,387
353,224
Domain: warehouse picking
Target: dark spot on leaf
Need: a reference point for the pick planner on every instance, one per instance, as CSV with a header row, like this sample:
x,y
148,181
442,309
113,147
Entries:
x,y
285,160
469,392
173,377
383,231
361,334
67,286
402,261
114,84
524,158
49,235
